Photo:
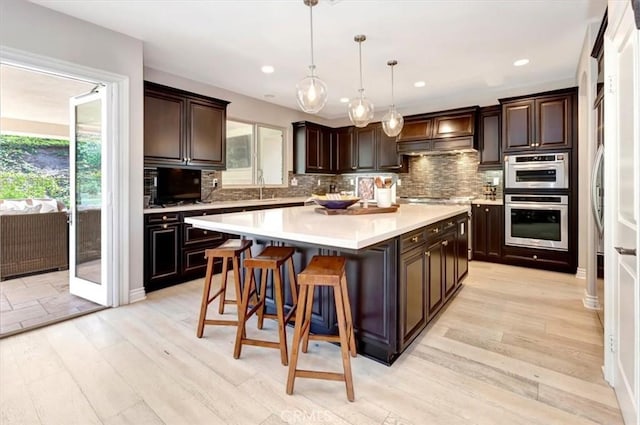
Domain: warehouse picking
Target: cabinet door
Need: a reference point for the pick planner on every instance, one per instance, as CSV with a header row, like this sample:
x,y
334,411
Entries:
x,y
494,231
163,248
490,141
344,150
413,297
479,228
326,151
416,130
207,134
387,152
462,248
453,126
435,294
313,137
366,145
164,131
449,262
553,121
517,127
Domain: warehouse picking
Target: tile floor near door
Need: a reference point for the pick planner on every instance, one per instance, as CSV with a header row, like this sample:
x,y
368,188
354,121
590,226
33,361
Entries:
x,y
514,347
33,301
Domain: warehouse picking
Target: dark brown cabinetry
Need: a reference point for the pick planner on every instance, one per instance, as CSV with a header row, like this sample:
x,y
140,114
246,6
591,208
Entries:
x,y
462,247
344,148
183,129
387,156
416,129
365,142
413,286
312,148
539,122
162,249
488,232
490,138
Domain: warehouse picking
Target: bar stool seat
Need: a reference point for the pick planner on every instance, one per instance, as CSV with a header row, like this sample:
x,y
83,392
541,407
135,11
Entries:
x,y
231,249
270,259
324,271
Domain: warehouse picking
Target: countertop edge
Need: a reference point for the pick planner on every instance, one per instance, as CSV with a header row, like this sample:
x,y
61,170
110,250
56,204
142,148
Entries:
x,y
222,205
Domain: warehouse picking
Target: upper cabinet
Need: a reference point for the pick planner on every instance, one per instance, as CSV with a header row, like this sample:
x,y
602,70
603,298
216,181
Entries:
x,y
489,138
312,148
366,148
183,129
539,122
416,129
387,156
343,143
443,131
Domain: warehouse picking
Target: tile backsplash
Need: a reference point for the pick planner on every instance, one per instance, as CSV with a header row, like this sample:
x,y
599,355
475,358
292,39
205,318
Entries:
x,y
429,175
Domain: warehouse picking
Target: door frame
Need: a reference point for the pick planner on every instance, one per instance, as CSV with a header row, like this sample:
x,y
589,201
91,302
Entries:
x,y
118,140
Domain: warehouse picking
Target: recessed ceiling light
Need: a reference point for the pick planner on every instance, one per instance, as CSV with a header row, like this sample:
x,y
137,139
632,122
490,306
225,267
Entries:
x,y
419,84
269,96
267,69
344,100
521,62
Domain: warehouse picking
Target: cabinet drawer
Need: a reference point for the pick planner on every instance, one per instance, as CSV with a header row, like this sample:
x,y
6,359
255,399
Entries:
x,y
162,218
193,235
193,261
449,224
434,231
412,240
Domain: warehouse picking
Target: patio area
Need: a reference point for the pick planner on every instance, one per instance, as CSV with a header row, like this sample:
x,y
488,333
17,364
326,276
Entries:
x,y
32,301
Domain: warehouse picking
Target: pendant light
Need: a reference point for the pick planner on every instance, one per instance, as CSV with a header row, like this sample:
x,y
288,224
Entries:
x,y
311,91
360,108
392,121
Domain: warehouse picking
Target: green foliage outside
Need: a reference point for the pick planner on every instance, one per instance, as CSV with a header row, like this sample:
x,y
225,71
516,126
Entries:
x,y
32,167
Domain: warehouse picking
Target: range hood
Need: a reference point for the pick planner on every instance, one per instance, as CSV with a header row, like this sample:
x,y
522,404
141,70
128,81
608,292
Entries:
x,y
445,132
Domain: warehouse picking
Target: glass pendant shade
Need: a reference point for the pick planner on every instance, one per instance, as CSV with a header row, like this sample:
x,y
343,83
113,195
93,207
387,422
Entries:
x,y
360,111
311,91
311,94
392,122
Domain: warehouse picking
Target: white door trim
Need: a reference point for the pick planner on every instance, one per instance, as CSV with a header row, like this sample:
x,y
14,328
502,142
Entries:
x,y
118,85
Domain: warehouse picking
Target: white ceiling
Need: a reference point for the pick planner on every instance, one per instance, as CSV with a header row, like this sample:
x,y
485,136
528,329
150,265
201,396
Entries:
x,y
463,49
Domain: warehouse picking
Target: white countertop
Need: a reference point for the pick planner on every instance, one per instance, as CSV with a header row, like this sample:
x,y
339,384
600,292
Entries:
x,y
487,201
303,224
228,204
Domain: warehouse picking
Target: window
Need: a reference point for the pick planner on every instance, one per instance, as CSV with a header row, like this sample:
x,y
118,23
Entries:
x,y
255,155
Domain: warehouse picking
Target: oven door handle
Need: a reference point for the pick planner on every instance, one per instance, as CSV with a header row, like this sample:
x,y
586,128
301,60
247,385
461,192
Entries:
x,y
536,206
597,165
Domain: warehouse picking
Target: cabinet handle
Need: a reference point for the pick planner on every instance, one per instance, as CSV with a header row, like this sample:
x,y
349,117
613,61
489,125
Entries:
x,y
445,243
535,257
204,213
427,253
164,226
164,218
205,232
449,224
414,239
486,210
436,230
184,159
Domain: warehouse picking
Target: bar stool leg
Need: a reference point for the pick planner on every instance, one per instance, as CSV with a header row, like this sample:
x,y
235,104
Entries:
x,y
264,273
242,314
205,297
344,344
236,278
223,285
307,317
295,348
349,317
280,313
293,283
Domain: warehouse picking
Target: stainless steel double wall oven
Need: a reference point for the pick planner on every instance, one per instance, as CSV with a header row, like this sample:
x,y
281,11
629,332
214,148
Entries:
x,y
536,200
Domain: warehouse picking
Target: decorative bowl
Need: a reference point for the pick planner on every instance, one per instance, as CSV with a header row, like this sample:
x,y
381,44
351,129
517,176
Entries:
x,y
336,204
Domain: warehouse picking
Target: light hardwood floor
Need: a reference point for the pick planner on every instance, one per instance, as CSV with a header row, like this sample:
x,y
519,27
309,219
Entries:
x,y
514,347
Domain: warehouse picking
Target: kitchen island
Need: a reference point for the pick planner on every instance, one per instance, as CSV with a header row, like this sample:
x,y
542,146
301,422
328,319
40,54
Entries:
x,y
402,267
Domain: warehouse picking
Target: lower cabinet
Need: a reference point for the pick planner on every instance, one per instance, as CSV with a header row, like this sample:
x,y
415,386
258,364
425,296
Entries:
x,y
174,250
488,232
413,293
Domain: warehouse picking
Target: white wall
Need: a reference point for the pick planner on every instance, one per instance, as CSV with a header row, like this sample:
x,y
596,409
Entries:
x,y
587,75
31,28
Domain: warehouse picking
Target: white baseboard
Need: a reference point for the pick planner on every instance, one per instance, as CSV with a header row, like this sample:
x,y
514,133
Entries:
x,y
581,273
136,295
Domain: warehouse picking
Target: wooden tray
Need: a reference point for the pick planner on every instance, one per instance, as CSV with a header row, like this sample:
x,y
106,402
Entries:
x,y
358,210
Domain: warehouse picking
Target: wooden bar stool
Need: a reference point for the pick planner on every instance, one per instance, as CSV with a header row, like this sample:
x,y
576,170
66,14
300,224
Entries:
x,y
229,250
324,271
271,258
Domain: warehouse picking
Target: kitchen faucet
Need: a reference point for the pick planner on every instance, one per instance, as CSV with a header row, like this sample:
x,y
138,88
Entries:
x,y
260,182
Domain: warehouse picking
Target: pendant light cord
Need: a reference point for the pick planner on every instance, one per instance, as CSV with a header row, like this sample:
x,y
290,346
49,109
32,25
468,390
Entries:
x,y
313,66
393,101
360,50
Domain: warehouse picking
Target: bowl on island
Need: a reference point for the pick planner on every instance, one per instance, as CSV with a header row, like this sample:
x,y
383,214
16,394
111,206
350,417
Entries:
x,y
335,201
